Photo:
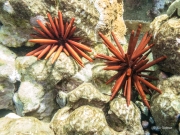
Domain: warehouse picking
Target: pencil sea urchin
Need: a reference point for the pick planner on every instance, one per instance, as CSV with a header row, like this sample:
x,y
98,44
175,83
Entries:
x,y
130,66
58,36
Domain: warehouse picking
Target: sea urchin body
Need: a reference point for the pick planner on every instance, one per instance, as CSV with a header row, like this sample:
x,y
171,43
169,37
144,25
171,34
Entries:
x,y
57,36
131,67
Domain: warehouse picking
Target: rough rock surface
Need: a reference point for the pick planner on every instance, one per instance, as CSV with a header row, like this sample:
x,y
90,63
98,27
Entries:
x,y
6,95
16,24
84,94
85,73
167,42
24,126
8,76
122,116
87,98
100,77
111,18
44,71
7,65
34,100
86,120
165,107
91,16
36,95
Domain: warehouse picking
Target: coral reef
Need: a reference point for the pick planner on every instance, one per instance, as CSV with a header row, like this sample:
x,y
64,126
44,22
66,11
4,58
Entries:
x,y
79,98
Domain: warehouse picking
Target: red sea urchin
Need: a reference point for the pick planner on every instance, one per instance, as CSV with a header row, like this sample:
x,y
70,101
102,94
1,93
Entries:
x,y
130,66
58,36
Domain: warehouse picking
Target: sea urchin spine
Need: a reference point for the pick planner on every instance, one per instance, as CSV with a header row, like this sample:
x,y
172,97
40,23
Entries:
x,y
130,66
57,36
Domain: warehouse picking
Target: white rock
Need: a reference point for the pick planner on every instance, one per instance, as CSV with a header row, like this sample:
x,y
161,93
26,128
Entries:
x,y
33,99
12,115
7,65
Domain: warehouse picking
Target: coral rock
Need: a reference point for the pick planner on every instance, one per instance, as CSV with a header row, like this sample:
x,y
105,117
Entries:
x,y
7,65
35,95
86,120
90,17
24,126
122,116
165,107
167,42
86,94
6,95
32,100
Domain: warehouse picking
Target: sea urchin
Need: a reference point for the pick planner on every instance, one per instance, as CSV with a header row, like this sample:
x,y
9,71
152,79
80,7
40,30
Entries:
x,y
57,36
131,67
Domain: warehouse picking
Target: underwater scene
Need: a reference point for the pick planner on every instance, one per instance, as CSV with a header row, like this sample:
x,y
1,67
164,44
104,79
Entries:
x,y
89,67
